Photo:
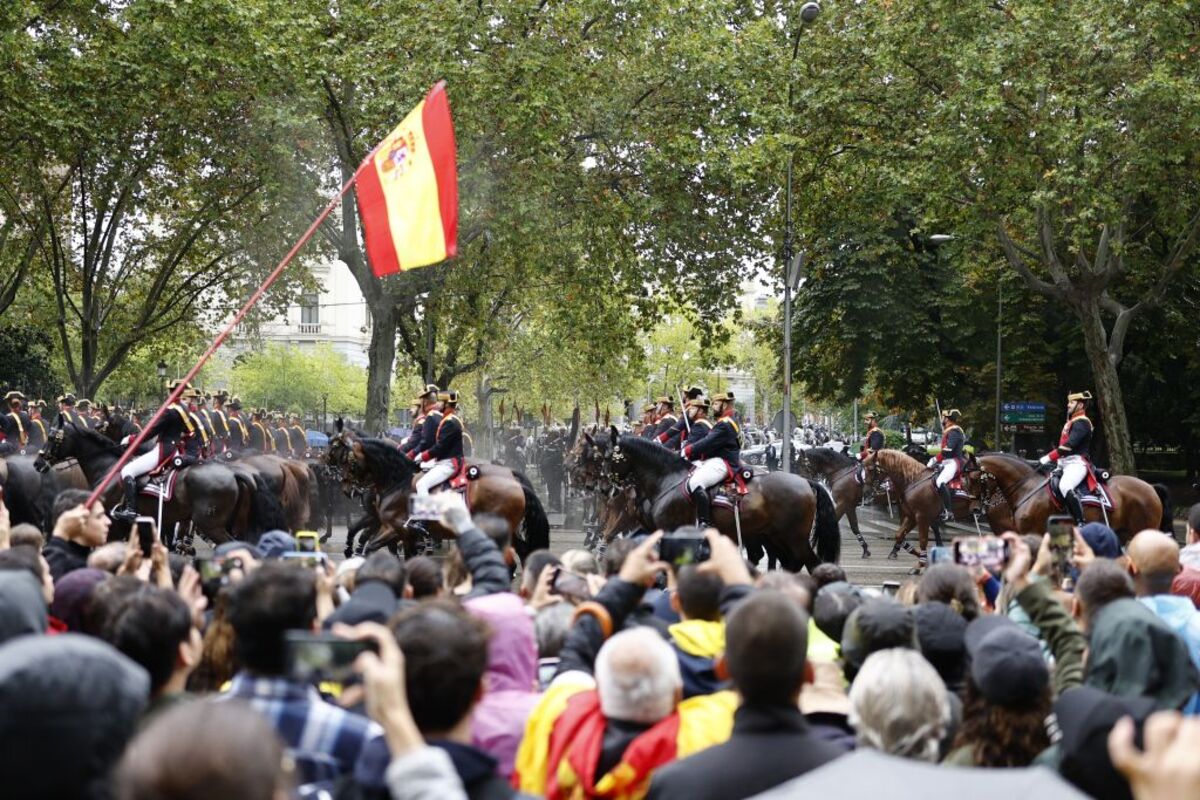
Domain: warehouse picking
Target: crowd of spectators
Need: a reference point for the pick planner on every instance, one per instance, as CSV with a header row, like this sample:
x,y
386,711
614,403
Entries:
x,y
268,672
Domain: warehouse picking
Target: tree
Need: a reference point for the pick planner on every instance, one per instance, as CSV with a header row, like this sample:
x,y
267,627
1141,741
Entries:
x,y
149,205
281,377
1062,139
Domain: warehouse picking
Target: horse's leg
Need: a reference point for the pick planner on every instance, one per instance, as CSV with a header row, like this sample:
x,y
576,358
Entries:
x,y
906,525
755,551
922,546
936,524
846,507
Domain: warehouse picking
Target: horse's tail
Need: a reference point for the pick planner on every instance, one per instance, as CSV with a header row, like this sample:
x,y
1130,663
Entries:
x,y
267,513
290,496
537,525
1167,522
827,535
243,512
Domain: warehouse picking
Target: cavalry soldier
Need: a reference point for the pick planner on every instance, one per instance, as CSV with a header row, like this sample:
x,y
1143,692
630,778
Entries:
x,y
696,427
414,433
950,457
176,429
1073,453
198,446
220,420
200,410
260,437
444,455
66,407
719,454
239,434
37,425
665,417
417,440
279,434
17,419
872,442
648,422
83,414
297,436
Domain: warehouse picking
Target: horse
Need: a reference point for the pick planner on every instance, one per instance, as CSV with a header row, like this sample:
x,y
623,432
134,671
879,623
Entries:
x,y
920,503
782,509
1137,505
840,472
217,501
379,464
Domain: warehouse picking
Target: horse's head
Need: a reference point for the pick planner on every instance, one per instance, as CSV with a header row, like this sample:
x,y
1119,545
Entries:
x,y
337,454
54,450
617,459
588,467
870,457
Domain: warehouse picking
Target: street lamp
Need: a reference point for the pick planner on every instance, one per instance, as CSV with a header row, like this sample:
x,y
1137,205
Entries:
x,y
793,264
324,411
161,368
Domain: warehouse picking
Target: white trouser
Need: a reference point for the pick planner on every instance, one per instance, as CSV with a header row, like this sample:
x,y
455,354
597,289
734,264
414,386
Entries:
x,y
710,472
440,471
949,470
142,464
1074,470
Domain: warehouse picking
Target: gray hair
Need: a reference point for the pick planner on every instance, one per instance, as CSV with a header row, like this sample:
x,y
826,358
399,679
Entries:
x,y
550,627
581,562
637,676
898,705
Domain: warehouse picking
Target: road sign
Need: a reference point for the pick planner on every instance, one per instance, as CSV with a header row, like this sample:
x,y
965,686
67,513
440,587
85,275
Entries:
x,y
1026,406
1022,427
1023,413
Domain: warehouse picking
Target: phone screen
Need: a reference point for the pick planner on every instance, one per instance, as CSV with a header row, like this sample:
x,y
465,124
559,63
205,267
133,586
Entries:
x,y
318,657
568,584
305,559
306,542
679,550
146,534
940,555
990,552
891,588
423,507
1062,543
209,568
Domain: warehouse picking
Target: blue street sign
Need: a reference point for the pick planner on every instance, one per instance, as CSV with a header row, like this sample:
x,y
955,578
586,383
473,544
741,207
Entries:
x,y
1027,407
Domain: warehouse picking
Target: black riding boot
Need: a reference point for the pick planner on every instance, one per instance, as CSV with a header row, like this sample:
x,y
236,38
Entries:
x,y
947,501
128,510
703,507
1074,506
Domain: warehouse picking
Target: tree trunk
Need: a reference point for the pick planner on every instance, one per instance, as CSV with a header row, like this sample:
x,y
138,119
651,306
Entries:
x,y
382,353
1107,389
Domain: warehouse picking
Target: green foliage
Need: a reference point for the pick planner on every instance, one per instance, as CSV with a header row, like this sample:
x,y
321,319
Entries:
x,y
25,361
292,379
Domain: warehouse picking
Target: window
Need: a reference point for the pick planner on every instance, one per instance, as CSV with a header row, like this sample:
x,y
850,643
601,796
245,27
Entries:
x,y
310,310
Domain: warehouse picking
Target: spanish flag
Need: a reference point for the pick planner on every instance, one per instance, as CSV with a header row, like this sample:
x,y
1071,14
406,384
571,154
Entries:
x,y
408,191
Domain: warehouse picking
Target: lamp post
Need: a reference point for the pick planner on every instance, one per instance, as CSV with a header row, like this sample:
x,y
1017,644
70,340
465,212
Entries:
x,y
793,265
324,410
161,369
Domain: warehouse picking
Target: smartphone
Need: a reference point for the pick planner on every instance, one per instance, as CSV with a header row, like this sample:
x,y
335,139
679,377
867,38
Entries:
x,y
147,534
891,588
683,546
940,555
568,584
306,559
210,569
989,552
307,541
1061,528
423,507
322,657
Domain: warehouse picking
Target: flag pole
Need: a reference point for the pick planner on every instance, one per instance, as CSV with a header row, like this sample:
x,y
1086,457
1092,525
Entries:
x,y
237,319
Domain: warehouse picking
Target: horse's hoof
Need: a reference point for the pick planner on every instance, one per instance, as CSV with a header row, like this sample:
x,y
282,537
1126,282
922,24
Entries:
x,y
892,556
915,570
348,552
866,553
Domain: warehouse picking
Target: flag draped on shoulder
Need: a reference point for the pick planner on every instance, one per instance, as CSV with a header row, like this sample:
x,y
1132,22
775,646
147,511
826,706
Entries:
x,y
408,190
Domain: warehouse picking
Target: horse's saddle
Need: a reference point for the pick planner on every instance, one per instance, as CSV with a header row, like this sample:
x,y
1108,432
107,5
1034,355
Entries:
x,y
730,491
459,480
1091,492
160,483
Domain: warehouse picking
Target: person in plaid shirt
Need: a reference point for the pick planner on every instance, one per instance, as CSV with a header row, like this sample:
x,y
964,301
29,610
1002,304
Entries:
x,y
323,740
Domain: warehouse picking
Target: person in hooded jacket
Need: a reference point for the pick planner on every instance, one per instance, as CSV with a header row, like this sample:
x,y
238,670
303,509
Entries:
x,y
22,606
699,637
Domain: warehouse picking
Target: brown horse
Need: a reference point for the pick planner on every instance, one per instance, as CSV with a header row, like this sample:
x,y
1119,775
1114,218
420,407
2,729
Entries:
x,y
379,465
920,504
840,474
1137,505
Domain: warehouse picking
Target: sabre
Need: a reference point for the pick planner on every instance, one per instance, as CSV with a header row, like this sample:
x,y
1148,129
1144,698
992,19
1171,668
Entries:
x,y
683,408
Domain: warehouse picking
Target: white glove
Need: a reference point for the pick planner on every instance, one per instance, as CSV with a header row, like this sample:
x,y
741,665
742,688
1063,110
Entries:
x,y
1044,460
932,462
125,440
427,465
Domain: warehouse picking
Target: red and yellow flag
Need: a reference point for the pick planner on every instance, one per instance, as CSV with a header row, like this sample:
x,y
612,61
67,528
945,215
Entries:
x,y
408,191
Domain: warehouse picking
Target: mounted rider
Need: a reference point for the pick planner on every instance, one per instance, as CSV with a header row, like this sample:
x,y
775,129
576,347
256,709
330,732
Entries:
x,y
664,415
719,455
425,402
176,429
648,422
950,458
444,456
279,434
260,435
66,407
1073,453
15,423
239,434
83,414
220,420
696,426
297,436
204,417
37,425
873,442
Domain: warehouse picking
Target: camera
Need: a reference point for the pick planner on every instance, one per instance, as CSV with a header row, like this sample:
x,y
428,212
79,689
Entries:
x,y
307,542
322,657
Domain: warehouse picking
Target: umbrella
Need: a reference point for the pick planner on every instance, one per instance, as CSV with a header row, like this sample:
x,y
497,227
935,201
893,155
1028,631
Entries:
x,y
869,775
316,439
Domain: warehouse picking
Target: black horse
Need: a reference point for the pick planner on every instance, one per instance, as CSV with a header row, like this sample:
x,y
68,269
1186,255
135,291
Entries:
x,y
781,509
217,501
840,474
